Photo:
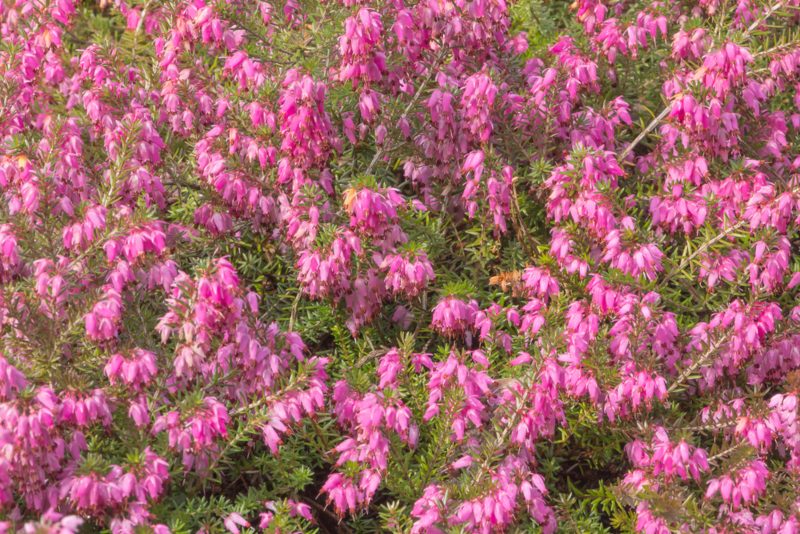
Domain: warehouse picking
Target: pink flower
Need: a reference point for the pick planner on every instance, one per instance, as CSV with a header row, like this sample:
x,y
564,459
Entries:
x,y
102,323
361,48
234,521
9,251
371,211
539,282
327,273
136,371
305,126
452,316
408,274
743,488
476,105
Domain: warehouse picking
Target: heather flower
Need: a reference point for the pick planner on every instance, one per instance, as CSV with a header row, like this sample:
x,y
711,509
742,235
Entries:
x,y
295,509
539,282
427,509
102,323
83,410
234,521
686,45
635,261
649,523
364,299
476,104
634,392
140,370
214,221
563,248
360,48
408,274
135,371
12,381
452,316
473,383
371,211
195,435
721,267
666,459
743,488
52,522
326,273
9,251
389,367
543,409
768,266
81,234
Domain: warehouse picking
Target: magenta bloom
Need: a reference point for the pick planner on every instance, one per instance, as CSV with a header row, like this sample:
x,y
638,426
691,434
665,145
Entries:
x,y
408,275
453,317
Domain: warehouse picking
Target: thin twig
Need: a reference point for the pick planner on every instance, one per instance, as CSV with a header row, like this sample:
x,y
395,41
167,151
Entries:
x,y
644,132
696,365
293,316
141,20
516,221
323,509
756,23
726,452
413,101
702,248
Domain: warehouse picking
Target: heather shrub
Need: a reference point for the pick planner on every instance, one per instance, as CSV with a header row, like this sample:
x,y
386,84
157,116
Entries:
x,y
426,267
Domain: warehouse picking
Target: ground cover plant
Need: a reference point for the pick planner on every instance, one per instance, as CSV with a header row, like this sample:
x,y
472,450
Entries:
x,y
417,266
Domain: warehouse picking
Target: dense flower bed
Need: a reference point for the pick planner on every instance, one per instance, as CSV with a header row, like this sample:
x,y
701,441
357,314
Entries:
x,y
404,266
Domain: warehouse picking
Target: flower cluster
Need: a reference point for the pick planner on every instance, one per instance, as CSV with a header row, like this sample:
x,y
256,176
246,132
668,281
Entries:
x,y
399,266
